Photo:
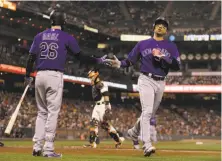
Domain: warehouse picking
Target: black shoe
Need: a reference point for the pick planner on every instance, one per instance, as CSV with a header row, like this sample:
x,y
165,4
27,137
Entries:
x,y
36,153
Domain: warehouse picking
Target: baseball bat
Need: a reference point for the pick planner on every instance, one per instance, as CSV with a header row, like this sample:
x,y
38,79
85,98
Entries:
x,y
15,114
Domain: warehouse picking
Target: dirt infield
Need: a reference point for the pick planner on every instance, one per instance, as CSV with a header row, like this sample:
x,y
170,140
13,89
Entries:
x,y
78,150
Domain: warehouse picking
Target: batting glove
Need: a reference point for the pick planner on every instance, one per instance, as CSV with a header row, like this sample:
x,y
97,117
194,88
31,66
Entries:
x,y
28,81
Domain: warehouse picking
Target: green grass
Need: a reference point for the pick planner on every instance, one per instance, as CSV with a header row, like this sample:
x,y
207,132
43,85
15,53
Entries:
x,y
23,157
119,155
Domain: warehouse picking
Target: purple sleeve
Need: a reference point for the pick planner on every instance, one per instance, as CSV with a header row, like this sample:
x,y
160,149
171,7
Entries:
x,y
174,54
73,45
133,56
172,61
34,47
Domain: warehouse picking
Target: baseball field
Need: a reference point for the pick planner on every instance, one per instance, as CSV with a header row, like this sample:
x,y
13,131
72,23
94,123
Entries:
x,y
185,150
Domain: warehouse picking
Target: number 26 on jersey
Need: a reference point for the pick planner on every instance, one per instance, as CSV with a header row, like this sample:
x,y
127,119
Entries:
x,y
48,51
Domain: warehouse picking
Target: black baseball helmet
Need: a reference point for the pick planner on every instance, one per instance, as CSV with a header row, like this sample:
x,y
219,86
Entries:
x,y
58,17
161,20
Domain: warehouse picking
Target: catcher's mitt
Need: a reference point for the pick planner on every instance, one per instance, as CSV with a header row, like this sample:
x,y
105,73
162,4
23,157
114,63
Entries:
x,y
108,115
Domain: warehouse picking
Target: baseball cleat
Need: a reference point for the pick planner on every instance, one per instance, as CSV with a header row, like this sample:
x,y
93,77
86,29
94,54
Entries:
x,y
90,145
37,153
93,145
134,139
121,139
87,145
53,155
136,145
149,151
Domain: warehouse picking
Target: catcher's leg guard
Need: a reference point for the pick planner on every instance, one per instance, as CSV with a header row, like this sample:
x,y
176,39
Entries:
x,y
117,137
93,137
113,133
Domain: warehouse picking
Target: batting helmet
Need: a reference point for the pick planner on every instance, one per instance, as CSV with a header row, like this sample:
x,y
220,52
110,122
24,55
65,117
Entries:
x,y
161,20
57,17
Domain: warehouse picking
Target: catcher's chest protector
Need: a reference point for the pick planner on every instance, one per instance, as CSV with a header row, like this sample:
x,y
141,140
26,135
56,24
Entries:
x,y
96,93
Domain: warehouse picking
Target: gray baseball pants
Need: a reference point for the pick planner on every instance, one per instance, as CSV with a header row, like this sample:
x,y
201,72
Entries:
x,y
151,92
48,94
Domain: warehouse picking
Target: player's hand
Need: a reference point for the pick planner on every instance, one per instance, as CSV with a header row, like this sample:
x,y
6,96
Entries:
x,y
114,63
157,54
102,60
28,81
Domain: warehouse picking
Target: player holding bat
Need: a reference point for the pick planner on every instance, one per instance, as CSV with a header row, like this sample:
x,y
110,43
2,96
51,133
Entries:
x,y
48,51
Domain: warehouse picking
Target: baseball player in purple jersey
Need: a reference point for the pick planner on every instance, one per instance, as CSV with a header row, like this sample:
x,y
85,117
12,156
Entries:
x,y
157,56
48,51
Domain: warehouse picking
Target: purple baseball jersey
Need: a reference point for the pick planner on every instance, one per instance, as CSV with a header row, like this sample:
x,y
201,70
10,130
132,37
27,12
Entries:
x,y
143,51
51,48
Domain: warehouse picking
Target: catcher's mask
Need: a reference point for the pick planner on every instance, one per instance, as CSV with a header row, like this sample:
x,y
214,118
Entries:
x,y
93,75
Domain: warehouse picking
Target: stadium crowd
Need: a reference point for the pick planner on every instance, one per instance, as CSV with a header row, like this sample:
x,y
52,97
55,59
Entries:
x,y
76,114
193,80
116,18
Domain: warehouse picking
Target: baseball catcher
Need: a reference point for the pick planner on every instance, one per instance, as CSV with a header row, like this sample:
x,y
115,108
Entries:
x,y
102,112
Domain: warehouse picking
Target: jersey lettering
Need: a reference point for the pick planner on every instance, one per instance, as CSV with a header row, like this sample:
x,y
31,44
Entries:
x,y
48,51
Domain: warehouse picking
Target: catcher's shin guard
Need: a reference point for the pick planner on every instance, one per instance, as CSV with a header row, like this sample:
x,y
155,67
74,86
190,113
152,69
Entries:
x,y
93,136
117,137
